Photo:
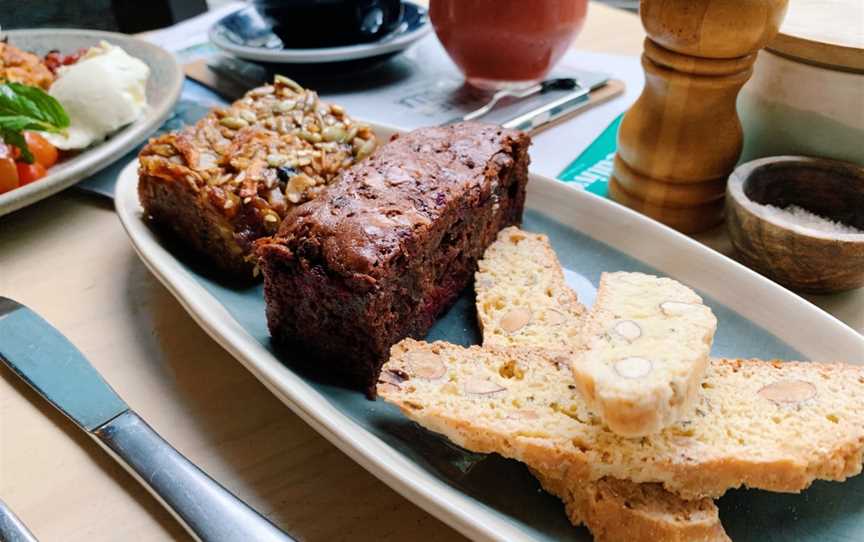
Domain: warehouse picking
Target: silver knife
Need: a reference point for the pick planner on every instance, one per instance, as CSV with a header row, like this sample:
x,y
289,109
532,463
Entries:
x,y
13,529
541,116
48,362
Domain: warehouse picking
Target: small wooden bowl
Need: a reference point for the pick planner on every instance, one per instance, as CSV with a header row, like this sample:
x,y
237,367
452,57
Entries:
x,y
800,258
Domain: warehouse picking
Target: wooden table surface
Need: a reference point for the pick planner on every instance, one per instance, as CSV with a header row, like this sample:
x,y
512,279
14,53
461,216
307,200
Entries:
x,y
69,259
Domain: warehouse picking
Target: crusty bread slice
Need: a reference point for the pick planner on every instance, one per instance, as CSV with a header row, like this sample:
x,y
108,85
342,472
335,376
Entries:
x,y
770,425
643,353
621,511
522,298
613,510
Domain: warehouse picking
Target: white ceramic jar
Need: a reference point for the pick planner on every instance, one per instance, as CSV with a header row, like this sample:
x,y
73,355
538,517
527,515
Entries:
x,y
806,95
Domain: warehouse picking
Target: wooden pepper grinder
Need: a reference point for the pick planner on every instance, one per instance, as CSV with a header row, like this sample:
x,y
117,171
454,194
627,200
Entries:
x,y
680,141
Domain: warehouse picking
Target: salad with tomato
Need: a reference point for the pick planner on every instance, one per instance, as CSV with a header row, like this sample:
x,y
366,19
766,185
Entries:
x,y
26,112
15,171
102,89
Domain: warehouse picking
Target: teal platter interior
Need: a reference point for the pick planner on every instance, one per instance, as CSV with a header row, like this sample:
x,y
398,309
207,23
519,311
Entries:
x,y
826,511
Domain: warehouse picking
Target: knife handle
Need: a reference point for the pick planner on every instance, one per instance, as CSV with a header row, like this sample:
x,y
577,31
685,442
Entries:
x,y
11,528
208,510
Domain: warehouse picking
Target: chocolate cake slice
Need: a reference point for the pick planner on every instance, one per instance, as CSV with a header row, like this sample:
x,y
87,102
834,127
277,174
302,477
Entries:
x,y
381,253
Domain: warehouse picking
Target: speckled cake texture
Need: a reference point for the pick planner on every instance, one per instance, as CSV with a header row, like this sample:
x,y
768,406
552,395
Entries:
x,y
390,246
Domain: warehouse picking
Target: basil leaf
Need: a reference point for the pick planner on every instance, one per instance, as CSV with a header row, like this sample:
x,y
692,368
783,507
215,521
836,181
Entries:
x,y
19,123
12,104
42,105
28,108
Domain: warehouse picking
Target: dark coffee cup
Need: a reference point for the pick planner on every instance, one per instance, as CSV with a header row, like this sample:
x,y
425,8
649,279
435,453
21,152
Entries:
x,y
302,24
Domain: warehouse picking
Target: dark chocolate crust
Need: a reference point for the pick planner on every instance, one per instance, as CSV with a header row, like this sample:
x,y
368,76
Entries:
x,y
390,246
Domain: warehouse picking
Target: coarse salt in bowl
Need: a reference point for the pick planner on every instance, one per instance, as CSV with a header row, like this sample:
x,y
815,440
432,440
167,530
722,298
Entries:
x,y
799,221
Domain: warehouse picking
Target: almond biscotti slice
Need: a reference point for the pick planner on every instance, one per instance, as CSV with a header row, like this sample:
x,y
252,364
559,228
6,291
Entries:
x,y
522,298
618,510
644,352
612,509
769,425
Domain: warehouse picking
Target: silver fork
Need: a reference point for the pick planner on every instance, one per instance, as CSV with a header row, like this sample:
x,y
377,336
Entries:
x,y
565,83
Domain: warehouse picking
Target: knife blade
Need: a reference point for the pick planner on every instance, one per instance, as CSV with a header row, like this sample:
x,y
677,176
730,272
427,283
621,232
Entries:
x,y
38,353
55,368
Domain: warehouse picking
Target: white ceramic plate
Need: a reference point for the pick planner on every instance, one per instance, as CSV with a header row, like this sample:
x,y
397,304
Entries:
x,y
163,90
414,26
495,499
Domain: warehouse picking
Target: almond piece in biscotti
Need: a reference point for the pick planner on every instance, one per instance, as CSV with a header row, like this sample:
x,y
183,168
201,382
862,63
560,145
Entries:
x,y
426,366
393,376
788,391
677,308
627,330
515,320
482,386
633,367
388,387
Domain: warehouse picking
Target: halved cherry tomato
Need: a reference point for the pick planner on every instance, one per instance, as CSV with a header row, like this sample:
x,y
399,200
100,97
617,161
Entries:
x,y
8,174
45,153
27,173
8,171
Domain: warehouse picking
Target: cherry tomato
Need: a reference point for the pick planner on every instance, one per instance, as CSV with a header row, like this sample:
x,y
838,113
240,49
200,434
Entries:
x,y
45,153
27,173
55,59
8,174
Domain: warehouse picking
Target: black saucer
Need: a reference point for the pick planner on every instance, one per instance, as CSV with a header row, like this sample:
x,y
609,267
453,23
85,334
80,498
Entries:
x,y
248,34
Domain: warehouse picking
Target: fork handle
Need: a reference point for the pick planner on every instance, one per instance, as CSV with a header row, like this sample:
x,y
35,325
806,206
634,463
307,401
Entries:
x,y
209,511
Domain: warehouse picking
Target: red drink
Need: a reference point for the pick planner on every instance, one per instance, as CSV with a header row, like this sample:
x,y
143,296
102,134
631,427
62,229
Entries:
x,y
505,42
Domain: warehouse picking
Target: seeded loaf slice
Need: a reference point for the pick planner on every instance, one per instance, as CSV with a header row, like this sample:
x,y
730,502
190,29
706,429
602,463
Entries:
x,y
644,352
219,185
769,425
522,297
522,269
